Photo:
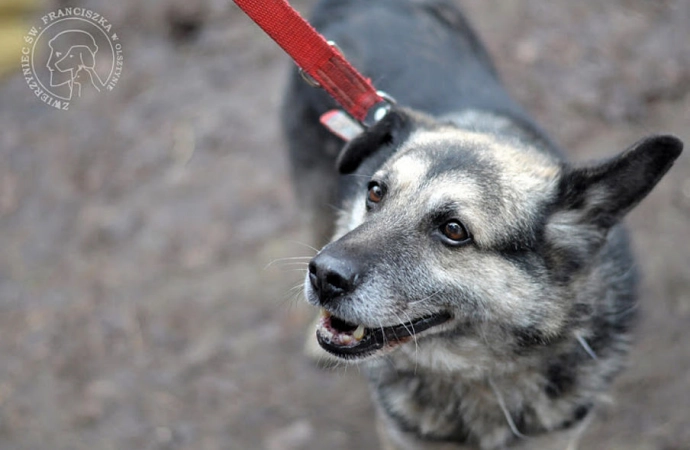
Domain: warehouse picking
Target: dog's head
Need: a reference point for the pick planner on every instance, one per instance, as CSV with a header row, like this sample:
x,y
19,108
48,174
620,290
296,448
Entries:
x,y
448,232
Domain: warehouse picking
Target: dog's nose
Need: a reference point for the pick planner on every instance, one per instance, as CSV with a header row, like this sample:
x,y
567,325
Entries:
x,y
331,277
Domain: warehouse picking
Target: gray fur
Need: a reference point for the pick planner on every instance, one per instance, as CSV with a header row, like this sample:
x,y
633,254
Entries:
x,y
542,297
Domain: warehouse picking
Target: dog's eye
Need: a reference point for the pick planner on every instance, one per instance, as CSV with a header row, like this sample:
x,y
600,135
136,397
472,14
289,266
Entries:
x,y
375,194
454,232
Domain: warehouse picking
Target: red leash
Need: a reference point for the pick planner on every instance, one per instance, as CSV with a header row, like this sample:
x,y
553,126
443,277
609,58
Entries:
x,y
319,59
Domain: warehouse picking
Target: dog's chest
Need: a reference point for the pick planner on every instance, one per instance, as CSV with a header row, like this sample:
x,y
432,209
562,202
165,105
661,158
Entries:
x,y
484,412
440,408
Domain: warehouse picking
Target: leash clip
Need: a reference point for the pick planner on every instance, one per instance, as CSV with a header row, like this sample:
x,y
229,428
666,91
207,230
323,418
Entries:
x,y
379,110
347,128
375,113
308,78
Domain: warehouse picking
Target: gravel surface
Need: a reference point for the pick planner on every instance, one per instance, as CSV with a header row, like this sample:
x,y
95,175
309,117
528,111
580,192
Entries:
x,y
143,300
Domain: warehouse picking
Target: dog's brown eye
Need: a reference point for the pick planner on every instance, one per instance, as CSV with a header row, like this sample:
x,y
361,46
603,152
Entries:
x,y
376,193
455,232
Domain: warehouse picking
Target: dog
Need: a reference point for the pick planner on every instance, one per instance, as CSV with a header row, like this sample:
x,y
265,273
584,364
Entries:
x,y
485,285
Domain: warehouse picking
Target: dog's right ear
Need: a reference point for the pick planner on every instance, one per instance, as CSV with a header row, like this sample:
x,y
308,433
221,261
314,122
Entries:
x,y
392,130
604,193
592,199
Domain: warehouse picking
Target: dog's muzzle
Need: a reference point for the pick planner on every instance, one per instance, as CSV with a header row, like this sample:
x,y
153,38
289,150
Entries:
x,y
334,274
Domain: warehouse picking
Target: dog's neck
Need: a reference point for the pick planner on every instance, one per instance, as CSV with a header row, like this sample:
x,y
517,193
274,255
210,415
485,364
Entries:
x,y
518,400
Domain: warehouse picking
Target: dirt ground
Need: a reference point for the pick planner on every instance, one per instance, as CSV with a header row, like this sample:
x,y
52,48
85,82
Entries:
x,y
143,303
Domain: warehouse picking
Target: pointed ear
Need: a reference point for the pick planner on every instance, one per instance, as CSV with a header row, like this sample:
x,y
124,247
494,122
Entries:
x,y
392,130
604,193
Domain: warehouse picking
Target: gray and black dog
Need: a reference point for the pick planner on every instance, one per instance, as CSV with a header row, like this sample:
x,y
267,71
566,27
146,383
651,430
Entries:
x,y
495,277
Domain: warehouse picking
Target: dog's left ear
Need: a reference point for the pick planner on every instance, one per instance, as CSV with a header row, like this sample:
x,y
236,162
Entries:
x,y
604,193
389,131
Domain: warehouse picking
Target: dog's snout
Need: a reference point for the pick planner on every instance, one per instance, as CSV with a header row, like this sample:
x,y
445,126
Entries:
x,y
332,277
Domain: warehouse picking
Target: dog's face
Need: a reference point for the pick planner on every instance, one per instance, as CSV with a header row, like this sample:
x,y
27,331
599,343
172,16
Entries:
x,y
460,236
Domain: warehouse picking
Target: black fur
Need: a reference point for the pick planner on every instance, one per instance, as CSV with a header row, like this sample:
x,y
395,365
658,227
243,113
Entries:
x,y
388,133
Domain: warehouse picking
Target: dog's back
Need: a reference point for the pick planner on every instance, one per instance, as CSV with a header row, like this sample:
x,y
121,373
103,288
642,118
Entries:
x,y
422,51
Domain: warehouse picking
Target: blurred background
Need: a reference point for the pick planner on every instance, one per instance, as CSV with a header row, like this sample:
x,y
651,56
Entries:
x,y
143,300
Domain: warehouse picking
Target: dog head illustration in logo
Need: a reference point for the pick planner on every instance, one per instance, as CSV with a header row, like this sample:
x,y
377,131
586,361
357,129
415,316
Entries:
x,y
72,62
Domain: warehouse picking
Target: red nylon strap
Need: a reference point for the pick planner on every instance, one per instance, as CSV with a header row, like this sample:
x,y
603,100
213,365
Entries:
x,y
314,55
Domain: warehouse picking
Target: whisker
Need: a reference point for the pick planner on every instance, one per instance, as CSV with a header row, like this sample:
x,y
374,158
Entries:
x,y
403,323
294,263
293,296
296,288
316,250
355,175
337,209
586,346
345,366
425,298
383,333
414,336
506,413
291,258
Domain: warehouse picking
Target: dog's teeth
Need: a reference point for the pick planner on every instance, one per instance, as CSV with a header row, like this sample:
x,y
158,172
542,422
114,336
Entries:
x,y
359,333
325,314
345,339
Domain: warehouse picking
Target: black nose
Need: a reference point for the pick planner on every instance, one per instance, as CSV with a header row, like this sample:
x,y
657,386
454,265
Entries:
x,y
332,277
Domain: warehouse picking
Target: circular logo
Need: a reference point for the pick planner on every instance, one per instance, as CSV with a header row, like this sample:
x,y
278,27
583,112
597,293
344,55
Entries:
x,y
70,52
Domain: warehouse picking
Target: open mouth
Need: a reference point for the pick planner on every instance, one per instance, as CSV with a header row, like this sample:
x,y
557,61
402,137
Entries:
x,y
351,341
